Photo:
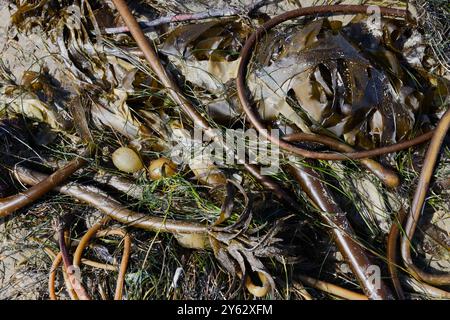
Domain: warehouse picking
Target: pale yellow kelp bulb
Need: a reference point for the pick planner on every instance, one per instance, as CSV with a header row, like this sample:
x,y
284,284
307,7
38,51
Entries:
x,y
160,168
127,160
256,290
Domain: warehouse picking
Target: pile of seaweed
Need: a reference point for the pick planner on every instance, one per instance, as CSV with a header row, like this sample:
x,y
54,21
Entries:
x,y
97,202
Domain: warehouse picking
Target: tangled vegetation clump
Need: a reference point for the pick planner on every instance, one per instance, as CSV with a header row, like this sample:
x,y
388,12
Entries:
x,y
118,179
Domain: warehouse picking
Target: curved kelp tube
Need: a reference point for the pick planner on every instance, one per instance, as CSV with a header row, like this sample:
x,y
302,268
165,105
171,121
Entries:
x,y
254,117
418,204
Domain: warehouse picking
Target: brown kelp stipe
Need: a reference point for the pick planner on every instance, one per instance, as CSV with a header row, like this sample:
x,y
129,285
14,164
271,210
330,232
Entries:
x,y
75,283
52,279
425,289
387,176
113,208
118,294
10,204
418,203
57,259
331,288
254,117
330,213
391,252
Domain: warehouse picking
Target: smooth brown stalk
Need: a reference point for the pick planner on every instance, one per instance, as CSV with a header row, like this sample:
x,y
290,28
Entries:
x,y
331,288
70,271
391,252
418,204
255,118
387,176
111,207
84,241
52,277
330,213
175,92
57,259
425,288
10,204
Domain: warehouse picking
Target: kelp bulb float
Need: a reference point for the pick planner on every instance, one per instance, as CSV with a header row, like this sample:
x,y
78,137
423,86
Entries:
x,y
258,290
160,168
127,160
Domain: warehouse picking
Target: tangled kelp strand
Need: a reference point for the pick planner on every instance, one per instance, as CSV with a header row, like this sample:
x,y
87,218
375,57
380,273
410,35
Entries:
x,y
234,245
95,231
418,203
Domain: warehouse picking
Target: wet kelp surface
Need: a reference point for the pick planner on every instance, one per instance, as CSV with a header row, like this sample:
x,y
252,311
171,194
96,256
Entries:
x,y
81,103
